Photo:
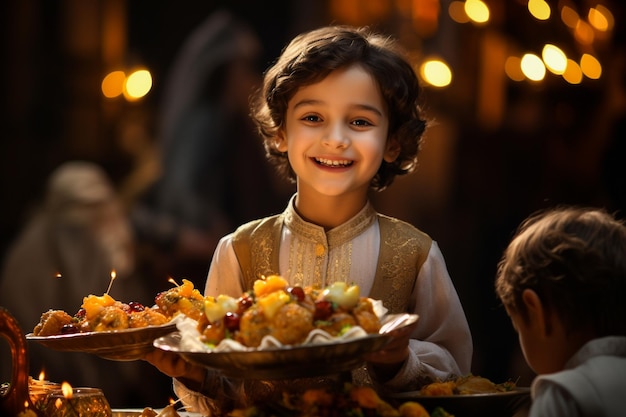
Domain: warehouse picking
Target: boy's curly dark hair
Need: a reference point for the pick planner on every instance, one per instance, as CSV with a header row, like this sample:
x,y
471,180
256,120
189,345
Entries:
x,y
574,259
310,57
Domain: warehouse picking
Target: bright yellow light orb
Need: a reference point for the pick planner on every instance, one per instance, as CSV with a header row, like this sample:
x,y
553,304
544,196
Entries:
x,y
477,11
533,67
138,84
436,73
554,58
539,9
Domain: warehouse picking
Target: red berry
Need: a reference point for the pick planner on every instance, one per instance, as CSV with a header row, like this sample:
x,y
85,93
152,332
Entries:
x,y
297,292
80,314
245,302
135,306
323,310
231,321
69,329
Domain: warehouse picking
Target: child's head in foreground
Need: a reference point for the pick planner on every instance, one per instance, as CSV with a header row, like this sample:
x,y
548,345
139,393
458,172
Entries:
x,y
562,280
312,56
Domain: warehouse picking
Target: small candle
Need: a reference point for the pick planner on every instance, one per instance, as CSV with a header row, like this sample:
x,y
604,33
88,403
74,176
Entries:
x,y
77,402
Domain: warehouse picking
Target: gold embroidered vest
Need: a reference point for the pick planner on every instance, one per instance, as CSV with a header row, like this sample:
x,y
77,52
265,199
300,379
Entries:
x,y
403,250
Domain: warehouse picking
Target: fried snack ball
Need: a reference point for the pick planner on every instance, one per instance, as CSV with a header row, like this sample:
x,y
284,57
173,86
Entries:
x,y
292,324
109,318
147,317
253,327
51,323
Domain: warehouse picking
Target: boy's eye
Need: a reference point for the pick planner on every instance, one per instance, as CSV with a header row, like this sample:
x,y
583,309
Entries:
x,y
311,118
361,122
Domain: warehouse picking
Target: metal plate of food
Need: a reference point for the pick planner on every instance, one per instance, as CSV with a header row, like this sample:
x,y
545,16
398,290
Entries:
x,y
492,404
306,360
118,345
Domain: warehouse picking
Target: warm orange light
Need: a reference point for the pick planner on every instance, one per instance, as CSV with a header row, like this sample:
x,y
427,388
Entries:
x,y
67,390
171,280
113,84
42,375
58,275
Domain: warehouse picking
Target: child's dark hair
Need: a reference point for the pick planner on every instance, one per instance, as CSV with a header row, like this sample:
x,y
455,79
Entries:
x,y
574,258
311,56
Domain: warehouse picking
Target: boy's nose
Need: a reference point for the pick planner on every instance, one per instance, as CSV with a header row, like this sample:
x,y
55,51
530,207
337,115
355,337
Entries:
x,y
336,136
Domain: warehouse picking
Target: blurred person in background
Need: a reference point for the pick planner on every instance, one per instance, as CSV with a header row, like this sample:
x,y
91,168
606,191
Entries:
x,y
67,251
213,174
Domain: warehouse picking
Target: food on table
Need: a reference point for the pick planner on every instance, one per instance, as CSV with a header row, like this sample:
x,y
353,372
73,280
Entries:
x,y
351,401
98,314
287,313
466,385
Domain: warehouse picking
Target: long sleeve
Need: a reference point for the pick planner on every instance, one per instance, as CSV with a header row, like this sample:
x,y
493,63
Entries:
x,y
441,345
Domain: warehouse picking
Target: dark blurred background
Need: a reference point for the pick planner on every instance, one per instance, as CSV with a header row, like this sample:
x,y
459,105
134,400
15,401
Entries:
x,y
500,147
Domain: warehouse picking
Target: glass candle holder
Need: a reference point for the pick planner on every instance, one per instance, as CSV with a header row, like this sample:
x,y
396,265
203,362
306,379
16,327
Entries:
x,y
83,402
39,391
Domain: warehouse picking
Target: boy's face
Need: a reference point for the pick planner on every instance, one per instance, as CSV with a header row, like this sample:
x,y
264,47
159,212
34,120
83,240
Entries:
x,y
336,133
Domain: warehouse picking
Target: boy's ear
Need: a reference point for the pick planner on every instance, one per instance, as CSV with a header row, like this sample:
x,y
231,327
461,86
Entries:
x,y
280,143
392,150
537,314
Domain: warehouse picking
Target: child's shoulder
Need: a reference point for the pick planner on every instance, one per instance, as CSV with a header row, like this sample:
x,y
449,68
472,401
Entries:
x,y
395,225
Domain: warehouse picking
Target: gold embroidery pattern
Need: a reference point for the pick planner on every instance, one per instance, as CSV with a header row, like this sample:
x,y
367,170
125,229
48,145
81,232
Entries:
x,y
403,250
320,255
261,252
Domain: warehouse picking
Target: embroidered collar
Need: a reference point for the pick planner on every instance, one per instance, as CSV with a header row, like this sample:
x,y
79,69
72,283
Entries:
x,y
334,237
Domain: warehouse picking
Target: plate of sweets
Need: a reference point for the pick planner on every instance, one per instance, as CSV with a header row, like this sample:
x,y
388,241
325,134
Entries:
x,y
470,396
113,329
277,331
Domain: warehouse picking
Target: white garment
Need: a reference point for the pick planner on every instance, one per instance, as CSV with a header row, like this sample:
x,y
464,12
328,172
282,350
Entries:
x,y
441,346
592,384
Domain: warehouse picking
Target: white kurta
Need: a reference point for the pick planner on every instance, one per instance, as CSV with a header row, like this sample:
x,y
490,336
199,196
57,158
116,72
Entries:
x,y
592,384
441,345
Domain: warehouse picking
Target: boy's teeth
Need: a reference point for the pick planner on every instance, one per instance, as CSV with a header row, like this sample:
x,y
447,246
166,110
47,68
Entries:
x,y
334,163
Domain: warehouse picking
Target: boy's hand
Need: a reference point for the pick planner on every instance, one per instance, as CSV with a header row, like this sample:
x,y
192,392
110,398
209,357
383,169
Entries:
x,y
388,361
173,365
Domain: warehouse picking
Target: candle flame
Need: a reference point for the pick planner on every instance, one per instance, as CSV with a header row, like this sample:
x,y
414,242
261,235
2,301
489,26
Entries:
x,y
67,390
113,275
58,403
26,404
42,375
172,401
173,282
58,275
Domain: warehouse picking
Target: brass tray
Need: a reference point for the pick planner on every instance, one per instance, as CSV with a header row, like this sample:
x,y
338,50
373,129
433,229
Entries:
x,y
117,345
298,361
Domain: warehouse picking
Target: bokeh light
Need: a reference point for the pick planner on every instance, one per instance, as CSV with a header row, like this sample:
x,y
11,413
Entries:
x,y
138,84
477,11
436,73
533,67
554,59
113,84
